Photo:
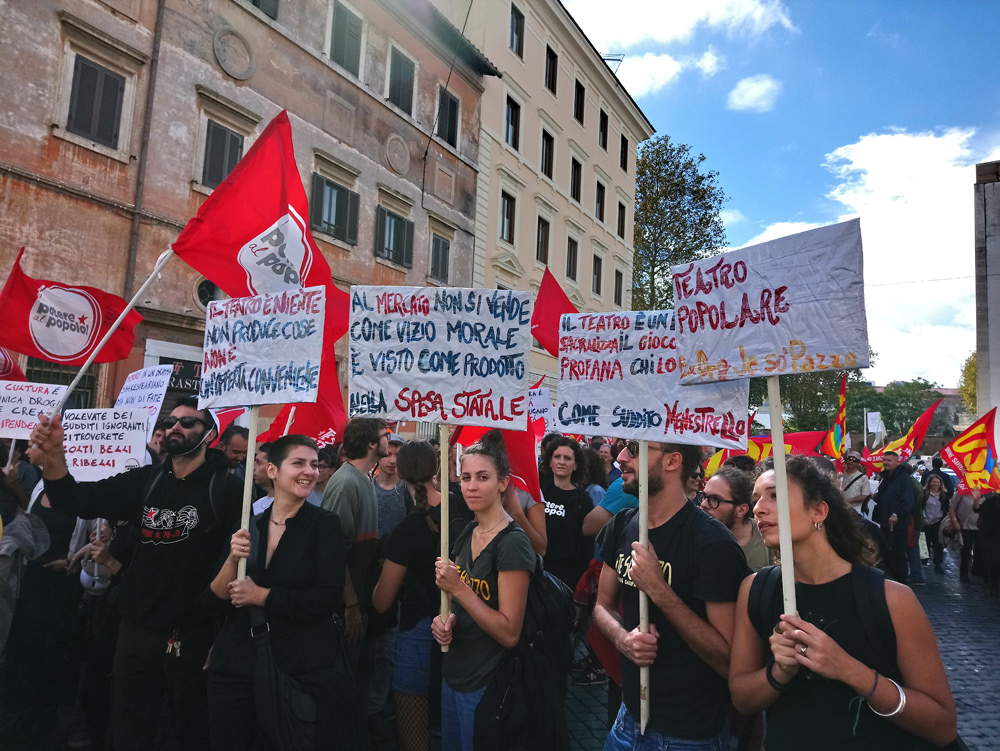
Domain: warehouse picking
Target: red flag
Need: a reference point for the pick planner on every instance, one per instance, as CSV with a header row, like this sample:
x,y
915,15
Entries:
x,y
520,446
973,456
60,323
759,448
550,304
833,444
323,421
909,444
8,367
225,417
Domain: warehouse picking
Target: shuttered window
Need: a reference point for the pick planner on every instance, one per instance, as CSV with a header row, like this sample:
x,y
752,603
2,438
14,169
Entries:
x,y
95,105
447,124
345,47
440,249
223,149
334,210
542,242
571,254
393,237
401,73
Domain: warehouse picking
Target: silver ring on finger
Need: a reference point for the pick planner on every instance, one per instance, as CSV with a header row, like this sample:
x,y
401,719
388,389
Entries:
x,y
803,650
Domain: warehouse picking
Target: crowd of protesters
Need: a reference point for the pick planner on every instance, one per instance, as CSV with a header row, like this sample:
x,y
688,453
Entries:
x,y
126,621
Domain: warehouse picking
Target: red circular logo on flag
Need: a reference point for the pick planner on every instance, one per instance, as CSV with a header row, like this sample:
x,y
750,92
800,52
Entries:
x,y
64,323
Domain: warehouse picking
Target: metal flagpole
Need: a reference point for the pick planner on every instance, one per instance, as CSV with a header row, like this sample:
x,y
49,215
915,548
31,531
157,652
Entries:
x,y
643,599
444,442
781,490
241,567
160,263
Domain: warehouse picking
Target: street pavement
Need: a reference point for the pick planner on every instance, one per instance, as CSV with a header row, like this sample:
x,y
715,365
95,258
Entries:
x,y
967,624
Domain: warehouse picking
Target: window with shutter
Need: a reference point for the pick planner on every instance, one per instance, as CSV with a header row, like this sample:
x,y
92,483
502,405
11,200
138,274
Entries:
x,y
602,131
579,100
623,154
542,242
440,249
621,220
516,40
334,209
548,153
513,124
575,179
619,287
507,205
393,237
401,74
551,69
447,125
599,202
95,106
596,277
345,44
223,149
571,253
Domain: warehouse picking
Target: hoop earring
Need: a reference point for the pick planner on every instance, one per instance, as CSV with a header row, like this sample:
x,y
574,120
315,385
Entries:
x,y
818,525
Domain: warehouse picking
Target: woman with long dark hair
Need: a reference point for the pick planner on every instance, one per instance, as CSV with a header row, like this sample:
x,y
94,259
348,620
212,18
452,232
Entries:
x,y
562,474
859,667
408,574
936,504
595,480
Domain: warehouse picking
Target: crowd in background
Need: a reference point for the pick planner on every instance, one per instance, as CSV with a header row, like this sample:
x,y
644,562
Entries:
x,y
125,623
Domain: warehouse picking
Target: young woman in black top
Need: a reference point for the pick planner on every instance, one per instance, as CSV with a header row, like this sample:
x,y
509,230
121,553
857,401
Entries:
x,y
295,572
824,678
408,573
562,474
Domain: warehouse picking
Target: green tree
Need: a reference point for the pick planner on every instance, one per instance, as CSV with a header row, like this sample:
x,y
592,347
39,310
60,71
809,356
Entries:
x,y
810,399
967,384
677,206
904,401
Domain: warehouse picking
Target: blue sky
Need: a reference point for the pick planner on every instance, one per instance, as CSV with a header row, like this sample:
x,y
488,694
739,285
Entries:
x,y
813,112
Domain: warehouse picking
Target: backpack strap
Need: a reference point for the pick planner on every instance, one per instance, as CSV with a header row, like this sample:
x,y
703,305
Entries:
x,y
153,482
764,590
869,596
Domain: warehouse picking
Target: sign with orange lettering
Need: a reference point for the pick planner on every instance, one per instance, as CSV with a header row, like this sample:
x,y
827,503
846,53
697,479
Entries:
x,y
973,456
791,305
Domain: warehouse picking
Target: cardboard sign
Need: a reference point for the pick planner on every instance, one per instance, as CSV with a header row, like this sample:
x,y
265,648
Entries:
x,y
439,354
264,349
792,305
144,389
20,404
619,376
100,443
540,406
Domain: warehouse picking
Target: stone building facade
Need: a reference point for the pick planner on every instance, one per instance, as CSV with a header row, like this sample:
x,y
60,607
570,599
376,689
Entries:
x,y
119,117
987,254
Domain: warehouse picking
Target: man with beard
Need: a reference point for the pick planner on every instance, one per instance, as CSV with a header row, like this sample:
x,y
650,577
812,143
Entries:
x,y
184,511
896,499
691,572
729,498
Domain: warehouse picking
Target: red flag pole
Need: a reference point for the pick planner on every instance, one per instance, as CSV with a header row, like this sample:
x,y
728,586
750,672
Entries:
x,y
160,263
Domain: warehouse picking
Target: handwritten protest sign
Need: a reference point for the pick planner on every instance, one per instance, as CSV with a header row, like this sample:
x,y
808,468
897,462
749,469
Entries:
x,y
447,355
791,305
20,404
540,406
264,349
144,389
619,375
103,442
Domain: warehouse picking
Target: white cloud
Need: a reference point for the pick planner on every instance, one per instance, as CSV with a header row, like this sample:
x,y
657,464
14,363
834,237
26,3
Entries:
x,y
913,192
731,216
710,63
632,22
648,73
756,94
779,229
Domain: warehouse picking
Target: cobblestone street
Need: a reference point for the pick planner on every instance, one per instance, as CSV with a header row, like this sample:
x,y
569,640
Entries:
x,y
967,625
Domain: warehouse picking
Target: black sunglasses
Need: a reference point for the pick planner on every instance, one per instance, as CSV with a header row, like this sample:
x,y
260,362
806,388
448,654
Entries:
x,y
187,422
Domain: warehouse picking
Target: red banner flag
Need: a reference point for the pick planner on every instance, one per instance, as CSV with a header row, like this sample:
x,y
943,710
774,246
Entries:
x,y
323,421
909,444
973,456
251,236
550,304
224,417
833,444
759,448
61,323
8,367
520,446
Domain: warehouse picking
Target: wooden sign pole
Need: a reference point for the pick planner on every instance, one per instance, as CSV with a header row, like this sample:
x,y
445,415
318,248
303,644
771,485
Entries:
x,y
643,599
781,491
444,442
241,568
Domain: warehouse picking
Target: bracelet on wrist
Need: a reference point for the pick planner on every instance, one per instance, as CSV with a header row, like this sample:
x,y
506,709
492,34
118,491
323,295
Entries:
x,y
871,693
775,683
899,707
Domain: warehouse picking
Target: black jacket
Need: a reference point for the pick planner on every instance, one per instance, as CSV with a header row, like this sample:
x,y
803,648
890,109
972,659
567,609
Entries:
x,y
306,579
896,495
180,532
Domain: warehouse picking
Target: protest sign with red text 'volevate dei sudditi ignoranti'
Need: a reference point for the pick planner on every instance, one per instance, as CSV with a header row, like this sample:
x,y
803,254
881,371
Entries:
x,y
449,355
791,305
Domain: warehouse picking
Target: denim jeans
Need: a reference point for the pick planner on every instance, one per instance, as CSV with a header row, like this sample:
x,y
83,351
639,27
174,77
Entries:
x,y
458,717
625,736
913,560
384,648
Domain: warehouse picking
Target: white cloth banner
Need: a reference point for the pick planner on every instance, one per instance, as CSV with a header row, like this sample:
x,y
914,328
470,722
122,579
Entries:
x,y
264,349
791,305
20,404
144,389
618,376
540,406
100,443
440,354
874,422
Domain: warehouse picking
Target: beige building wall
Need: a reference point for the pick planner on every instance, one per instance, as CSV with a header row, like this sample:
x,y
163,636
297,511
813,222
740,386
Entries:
x,y
517,172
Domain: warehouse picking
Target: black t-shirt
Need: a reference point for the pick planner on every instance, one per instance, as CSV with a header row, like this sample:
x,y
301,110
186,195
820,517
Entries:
x,y
568,552
415,545
703,563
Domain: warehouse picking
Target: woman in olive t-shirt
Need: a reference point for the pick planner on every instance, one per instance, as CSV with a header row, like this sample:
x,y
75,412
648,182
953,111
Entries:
x,y
488,582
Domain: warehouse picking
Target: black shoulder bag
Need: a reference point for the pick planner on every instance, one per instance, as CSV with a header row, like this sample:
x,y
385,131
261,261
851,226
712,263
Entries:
x,y
286,712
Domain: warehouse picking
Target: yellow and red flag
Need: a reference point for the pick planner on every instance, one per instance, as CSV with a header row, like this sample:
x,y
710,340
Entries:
x,y
833,445
973,456
909,444
759,448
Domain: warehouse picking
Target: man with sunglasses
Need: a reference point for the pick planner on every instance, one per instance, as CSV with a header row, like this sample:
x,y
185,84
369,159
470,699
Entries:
x,y
183,513
691,573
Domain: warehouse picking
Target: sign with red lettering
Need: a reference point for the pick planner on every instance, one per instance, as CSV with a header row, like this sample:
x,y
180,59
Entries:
x,y
100,443
440,354
20,404
791,305
619,375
